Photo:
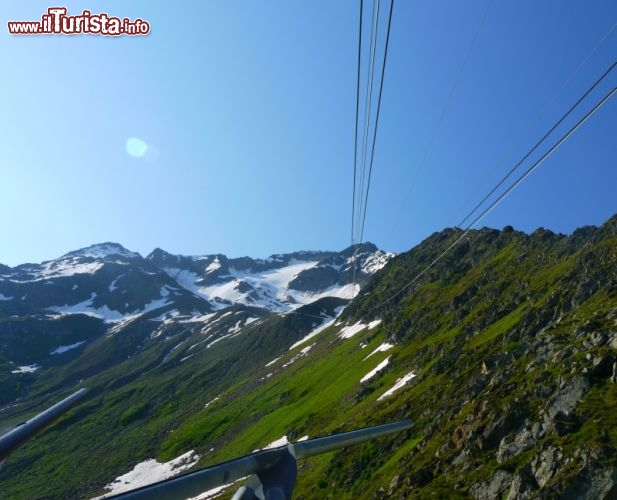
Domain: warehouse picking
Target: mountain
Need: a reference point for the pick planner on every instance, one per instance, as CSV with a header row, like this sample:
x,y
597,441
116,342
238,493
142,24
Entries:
x,y
503,354
278,283
62,305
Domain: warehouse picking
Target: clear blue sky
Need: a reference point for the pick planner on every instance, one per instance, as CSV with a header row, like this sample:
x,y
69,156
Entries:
x,y
248,108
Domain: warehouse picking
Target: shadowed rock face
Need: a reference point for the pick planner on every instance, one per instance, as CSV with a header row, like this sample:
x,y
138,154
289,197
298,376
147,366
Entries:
x,y
319,278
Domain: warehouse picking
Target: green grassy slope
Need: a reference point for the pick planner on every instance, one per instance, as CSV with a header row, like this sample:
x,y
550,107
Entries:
x,y
511,339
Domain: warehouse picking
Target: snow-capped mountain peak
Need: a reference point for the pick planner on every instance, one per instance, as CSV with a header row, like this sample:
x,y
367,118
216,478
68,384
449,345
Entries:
x,y
107,291
281,283
109,282
104,250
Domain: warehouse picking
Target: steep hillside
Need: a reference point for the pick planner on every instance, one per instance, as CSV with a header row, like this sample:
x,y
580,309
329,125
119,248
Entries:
x,y
503,354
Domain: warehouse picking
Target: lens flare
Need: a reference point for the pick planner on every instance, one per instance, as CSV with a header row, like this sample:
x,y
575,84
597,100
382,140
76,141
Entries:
x,y
136,147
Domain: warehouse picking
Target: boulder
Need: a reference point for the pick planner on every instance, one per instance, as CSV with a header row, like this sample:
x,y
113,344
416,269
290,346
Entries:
x,y
568,398
523,485
592,483
513,446
499,484
545,465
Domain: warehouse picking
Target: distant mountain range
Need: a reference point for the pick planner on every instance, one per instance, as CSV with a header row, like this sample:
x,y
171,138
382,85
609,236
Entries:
x,y
108,283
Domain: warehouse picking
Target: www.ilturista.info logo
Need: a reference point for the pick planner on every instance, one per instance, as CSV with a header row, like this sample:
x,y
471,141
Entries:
x,y
58,22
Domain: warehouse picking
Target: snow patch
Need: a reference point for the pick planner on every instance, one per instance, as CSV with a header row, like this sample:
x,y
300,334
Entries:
x,y
60,268
27,369
301,354
376,261
213,266
113,285
150,471
399,383
185,278
377,369
119,325
327,322
222,337
104,250
349,331
64,348
272,362
382,348
212,401
103,312
199,318
268,289
277,443
236,328
215,492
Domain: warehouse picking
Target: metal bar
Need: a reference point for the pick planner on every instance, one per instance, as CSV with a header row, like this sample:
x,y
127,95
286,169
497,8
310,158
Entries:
x,y
20,434
317,446
195,483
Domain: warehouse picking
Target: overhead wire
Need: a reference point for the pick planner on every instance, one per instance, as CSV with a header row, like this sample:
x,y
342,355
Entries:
x,y
364,191
368,105
509,190
355,149
500,183
546,106
366,128
448,101
536,165
383,72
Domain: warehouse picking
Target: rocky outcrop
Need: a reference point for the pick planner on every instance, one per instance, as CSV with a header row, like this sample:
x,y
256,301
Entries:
x,y
496,488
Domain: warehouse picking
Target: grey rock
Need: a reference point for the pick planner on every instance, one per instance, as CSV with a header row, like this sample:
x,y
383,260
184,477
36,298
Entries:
x,y
598,339
461,459
537,430
507,420
568,398
592,484
498,485
512,447
545,465
523,485
394,484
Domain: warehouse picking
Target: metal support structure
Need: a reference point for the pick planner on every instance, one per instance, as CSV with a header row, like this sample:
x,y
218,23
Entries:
x,y
20,434
275,483
273,472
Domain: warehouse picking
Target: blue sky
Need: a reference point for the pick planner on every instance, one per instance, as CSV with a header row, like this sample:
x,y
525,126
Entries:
x,y
248,110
